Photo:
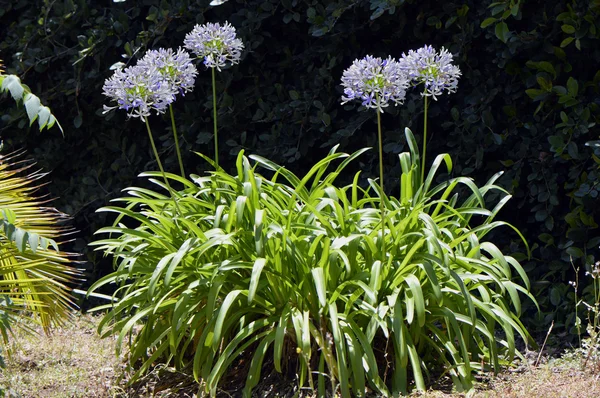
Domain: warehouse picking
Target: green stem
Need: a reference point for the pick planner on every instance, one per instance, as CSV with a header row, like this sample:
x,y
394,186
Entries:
x,y
381,203
424,142
216,138
176,141
160,166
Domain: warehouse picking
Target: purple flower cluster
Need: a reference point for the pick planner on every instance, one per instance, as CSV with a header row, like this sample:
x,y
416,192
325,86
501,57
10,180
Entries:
x,y
374,82
175,67
433,69
152,84
138,91
217,44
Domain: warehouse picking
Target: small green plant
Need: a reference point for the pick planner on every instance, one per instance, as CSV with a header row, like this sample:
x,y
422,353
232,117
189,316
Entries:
x,y
590,346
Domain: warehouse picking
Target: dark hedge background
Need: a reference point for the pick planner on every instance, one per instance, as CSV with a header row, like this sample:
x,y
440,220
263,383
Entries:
x,y
527,103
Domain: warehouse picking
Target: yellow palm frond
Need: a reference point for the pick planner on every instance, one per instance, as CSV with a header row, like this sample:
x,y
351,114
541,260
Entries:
x,y
36,279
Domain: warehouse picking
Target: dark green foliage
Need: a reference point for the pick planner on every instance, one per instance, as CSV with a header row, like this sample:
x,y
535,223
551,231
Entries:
x,y
527,104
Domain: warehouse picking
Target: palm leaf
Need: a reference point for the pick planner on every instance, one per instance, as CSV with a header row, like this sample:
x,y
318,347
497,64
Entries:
x,y
33,272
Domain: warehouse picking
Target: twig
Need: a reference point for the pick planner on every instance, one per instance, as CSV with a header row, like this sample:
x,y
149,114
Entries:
x,y
537,362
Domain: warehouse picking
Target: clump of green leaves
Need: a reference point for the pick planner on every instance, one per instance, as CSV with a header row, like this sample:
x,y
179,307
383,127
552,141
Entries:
x,y
290,268
22,94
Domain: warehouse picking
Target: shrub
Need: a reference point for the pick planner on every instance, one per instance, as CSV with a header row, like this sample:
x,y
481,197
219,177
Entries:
x,y
291,268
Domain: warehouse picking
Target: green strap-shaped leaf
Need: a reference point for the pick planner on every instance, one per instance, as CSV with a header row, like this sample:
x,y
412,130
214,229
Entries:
x,y
280,336
257,268
256,364
319,279
340,351
417,296
227,303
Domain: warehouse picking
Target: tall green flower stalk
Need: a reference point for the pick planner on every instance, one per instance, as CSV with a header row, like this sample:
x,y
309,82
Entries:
x,y
376,82
141,89
215,127
160,167
218,46
177,69
381,202
437,74
424,138
176,138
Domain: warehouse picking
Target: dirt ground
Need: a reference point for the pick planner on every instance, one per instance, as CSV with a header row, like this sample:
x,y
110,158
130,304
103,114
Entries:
x,y
75,362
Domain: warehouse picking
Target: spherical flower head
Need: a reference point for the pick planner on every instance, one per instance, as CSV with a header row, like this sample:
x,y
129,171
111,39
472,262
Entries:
x,y
433,69
374,82
176,68
139,90
216,44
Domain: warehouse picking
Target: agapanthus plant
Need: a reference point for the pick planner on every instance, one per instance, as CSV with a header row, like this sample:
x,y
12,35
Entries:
x,y
375,82
139,90
436,72
218,46
263,265
176,69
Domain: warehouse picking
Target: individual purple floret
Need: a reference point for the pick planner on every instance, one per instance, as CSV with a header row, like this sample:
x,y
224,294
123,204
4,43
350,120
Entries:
x,y
433,69
139,90
374,82
216,44
175,67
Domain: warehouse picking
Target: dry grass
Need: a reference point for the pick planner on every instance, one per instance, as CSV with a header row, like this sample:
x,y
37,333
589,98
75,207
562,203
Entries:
x,y
544,381
75,362
72,362
547,381
554,378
